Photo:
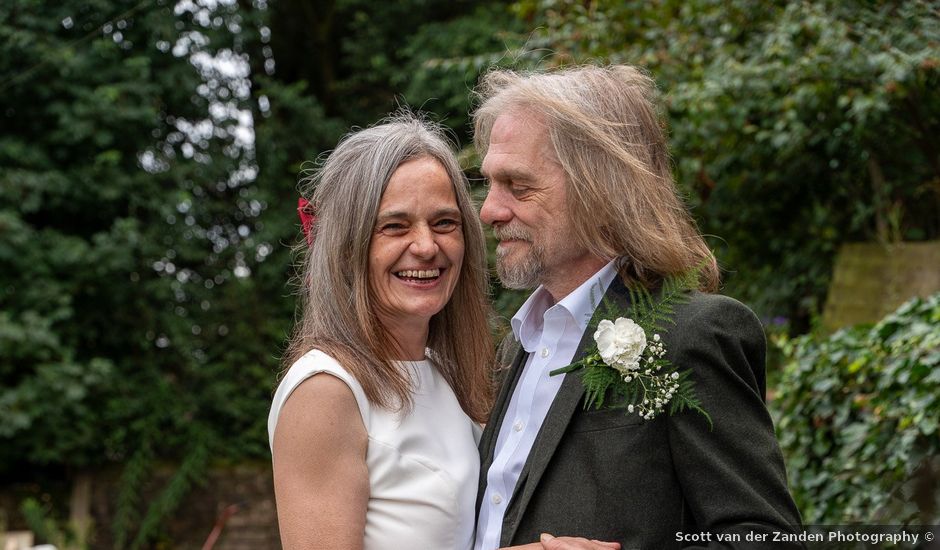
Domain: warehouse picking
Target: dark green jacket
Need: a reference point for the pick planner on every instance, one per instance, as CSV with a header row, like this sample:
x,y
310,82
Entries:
x,y
608,475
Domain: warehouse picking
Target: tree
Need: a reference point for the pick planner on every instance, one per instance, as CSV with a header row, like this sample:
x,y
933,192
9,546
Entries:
x,y
131,330
149,159
778,116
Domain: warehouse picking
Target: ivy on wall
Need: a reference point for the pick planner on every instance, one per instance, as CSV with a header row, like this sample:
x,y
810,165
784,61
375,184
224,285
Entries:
x,y
857,418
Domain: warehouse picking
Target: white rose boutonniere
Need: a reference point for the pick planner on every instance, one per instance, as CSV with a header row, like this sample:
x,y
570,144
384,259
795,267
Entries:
x,y
628,368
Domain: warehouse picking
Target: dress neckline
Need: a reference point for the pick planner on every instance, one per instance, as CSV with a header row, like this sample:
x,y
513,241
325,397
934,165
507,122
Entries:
x,y
419,365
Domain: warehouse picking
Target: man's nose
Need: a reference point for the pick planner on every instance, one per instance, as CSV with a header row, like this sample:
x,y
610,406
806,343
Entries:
x,y
495,210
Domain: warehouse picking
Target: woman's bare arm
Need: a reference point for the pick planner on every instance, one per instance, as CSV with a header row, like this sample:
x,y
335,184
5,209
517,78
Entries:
x,y
321,480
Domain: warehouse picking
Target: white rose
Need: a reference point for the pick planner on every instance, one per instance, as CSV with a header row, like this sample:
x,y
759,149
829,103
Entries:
x,y
620,343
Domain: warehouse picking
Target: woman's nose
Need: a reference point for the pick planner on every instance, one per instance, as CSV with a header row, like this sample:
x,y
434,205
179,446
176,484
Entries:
x,y
424,244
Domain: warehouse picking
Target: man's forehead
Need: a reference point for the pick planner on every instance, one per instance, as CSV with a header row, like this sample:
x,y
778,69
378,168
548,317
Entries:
x,y
518,144
519,123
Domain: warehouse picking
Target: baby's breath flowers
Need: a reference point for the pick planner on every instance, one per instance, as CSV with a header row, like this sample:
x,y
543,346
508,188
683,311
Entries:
x,y
658,390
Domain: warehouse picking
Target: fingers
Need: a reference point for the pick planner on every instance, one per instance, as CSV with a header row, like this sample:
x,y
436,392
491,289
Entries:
x,y
550,542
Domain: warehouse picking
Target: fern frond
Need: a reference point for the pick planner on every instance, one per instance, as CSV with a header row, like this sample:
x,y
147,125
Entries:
x,y
596,382
136,473
685,398
191,470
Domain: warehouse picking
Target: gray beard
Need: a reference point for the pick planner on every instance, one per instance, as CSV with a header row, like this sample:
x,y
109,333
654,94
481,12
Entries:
x,y
523,275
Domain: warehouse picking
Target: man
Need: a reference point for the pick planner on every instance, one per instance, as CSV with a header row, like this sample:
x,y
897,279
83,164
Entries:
x,y
582,200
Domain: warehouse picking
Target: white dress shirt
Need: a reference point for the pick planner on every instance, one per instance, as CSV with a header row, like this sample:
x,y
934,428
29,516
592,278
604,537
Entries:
x,y
550,333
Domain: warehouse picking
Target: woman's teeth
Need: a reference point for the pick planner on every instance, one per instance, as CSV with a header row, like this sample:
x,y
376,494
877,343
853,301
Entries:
x,y
419,274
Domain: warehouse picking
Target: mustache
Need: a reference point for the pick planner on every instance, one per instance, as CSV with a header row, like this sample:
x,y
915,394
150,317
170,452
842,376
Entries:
x,y
512,232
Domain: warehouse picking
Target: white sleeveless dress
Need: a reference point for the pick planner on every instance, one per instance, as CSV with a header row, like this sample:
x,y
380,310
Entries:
x,y
423,463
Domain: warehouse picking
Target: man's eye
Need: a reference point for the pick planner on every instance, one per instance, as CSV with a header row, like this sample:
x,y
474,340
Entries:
x,y
516,186
392,227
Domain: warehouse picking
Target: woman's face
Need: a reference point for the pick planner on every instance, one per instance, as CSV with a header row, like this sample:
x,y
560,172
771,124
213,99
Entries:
x,y
417,245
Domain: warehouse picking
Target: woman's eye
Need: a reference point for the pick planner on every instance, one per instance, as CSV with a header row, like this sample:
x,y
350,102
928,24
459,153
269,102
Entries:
x,y
392,227
447,224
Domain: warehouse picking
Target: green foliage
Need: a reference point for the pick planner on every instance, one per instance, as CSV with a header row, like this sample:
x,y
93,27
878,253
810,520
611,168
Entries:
x,y
136,473
130,230
857,419
44,525
685,399
375,50
190,472
144,240
784,138
654,314
444,59
599,380
778,115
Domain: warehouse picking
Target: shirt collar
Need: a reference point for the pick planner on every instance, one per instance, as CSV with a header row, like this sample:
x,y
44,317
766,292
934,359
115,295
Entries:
x,y
527,323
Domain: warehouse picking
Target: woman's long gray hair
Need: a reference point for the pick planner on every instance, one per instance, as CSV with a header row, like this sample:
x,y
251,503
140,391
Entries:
x,y
337,302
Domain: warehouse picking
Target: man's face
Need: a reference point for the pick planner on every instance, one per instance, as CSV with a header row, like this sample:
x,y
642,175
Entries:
x,y
526,203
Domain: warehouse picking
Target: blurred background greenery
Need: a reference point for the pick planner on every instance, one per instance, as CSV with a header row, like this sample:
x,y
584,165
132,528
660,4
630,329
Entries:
x,y
149,159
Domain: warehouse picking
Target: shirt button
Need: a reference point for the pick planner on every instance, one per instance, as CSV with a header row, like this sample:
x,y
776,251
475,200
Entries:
x,y
545,352
496,498
518,426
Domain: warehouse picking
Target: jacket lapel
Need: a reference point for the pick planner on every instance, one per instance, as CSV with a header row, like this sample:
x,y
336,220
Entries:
x,y
557,419
515,357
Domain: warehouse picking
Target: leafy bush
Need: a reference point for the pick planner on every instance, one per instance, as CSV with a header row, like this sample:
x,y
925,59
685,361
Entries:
x,y
857,417
795,126
140,298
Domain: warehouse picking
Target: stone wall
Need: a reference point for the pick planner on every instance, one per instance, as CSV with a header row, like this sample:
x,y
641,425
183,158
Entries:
x,y
252,527
871,280
250,486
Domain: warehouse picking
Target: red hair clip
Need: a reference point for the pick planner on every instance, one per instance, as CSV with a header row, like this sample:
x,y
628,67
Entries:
x,y
307,218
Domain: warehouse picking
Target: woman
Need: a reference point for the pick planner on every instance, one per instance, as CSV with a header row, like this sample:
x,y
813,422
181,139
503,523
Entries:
x,y
374,426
